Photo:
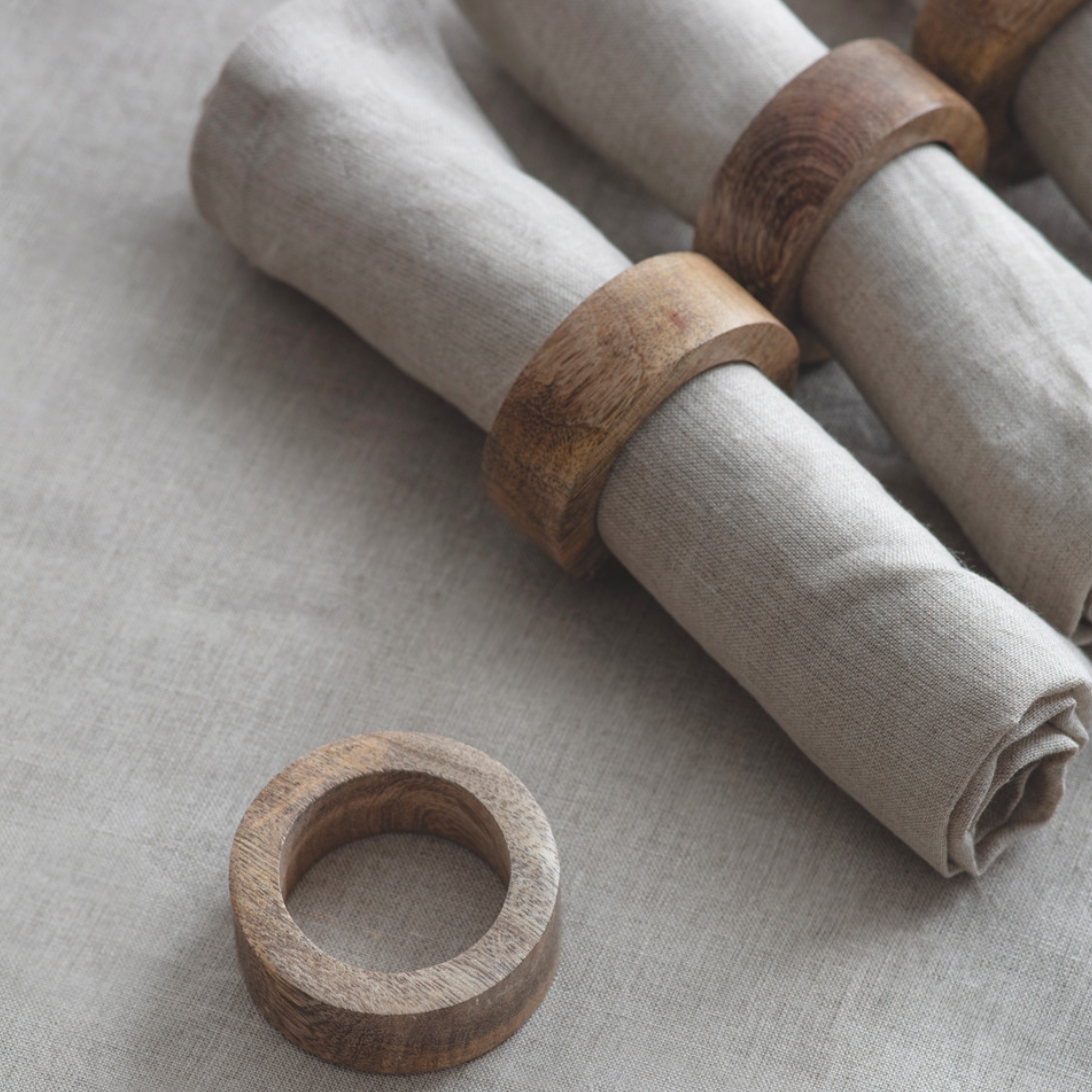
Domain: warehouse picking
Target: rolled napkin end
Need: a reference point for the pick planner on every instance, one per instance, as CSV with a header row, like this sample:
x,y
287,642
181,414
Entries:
x,y
223,145
1019,786
925,691
342,155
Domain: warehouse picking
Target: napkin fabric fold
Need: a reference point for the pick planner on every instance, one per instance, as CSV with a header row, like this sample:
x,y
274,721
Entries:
x,y
341,153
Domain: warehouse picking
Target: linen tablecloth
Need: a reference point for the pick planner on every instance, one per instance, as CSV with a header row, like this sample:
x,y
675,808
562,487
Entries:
x,y
232,532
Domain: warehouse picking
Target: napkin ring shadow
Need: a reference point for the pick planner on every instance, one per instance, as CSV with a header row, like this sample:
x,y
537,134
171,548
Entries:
x,y
809,149
982,48
599,375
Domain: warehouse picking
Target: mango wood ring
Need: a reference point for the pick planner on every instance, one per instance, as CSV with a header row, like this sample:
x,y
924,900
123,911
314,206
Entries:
x,y
597,377
982,48
409,1021
808,151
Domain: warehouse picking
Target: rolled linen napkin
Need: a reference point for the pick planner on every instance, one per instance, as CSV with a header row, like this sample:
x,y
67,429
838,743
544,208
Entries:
x,y
1053,107
968,333
340,152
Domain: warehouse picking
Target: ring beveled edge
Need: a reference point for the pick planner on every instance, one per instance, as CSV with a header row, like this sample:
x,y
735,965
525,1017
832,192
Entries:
x,y
612,361
823,134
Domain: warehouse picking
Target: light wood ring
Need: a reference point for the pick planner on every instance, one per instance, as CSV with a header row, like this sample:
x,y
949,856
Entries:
x,y
808,151
597,377
408,1021
982,48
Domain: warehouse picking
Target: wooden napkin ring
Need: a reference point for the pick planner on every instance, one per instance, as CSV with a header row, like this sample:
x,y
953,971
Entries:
x,y
807,152
407,1021
982,48
597,377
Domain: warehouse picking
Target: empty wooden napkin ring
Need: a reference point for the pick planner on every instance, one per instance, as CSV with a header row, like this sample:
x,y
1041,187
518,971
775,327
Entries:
x,y
982,48
597,377
810,149
407,1021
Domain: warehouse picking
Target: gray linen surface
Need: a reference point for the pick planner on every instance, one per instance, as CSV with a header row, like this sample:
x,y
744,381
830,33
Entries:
x,y
231,531
969,335
340,152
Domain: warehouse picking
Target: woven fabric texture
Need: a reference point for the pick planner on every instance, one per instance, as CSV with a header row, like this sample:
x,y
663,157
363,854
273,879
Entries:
x,y
1053,107
232,531
967,332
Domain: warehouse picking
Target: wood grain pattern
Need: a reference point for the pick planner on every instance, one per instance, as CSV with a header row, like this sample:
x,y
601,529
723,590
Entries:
x,y
810,148
409,1021
599,375
981,48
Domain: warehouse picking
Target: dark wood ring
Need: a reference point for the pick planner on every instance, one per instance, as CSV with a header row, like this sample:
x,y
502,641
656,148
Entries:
x,y
412,1021
810,148
982,48
599,375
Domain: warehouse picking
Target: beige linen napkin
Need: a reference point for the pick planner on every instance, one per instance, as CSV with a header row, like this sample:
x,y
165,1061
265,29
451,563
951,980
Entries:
x,y
968,333
341,153
1053,107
